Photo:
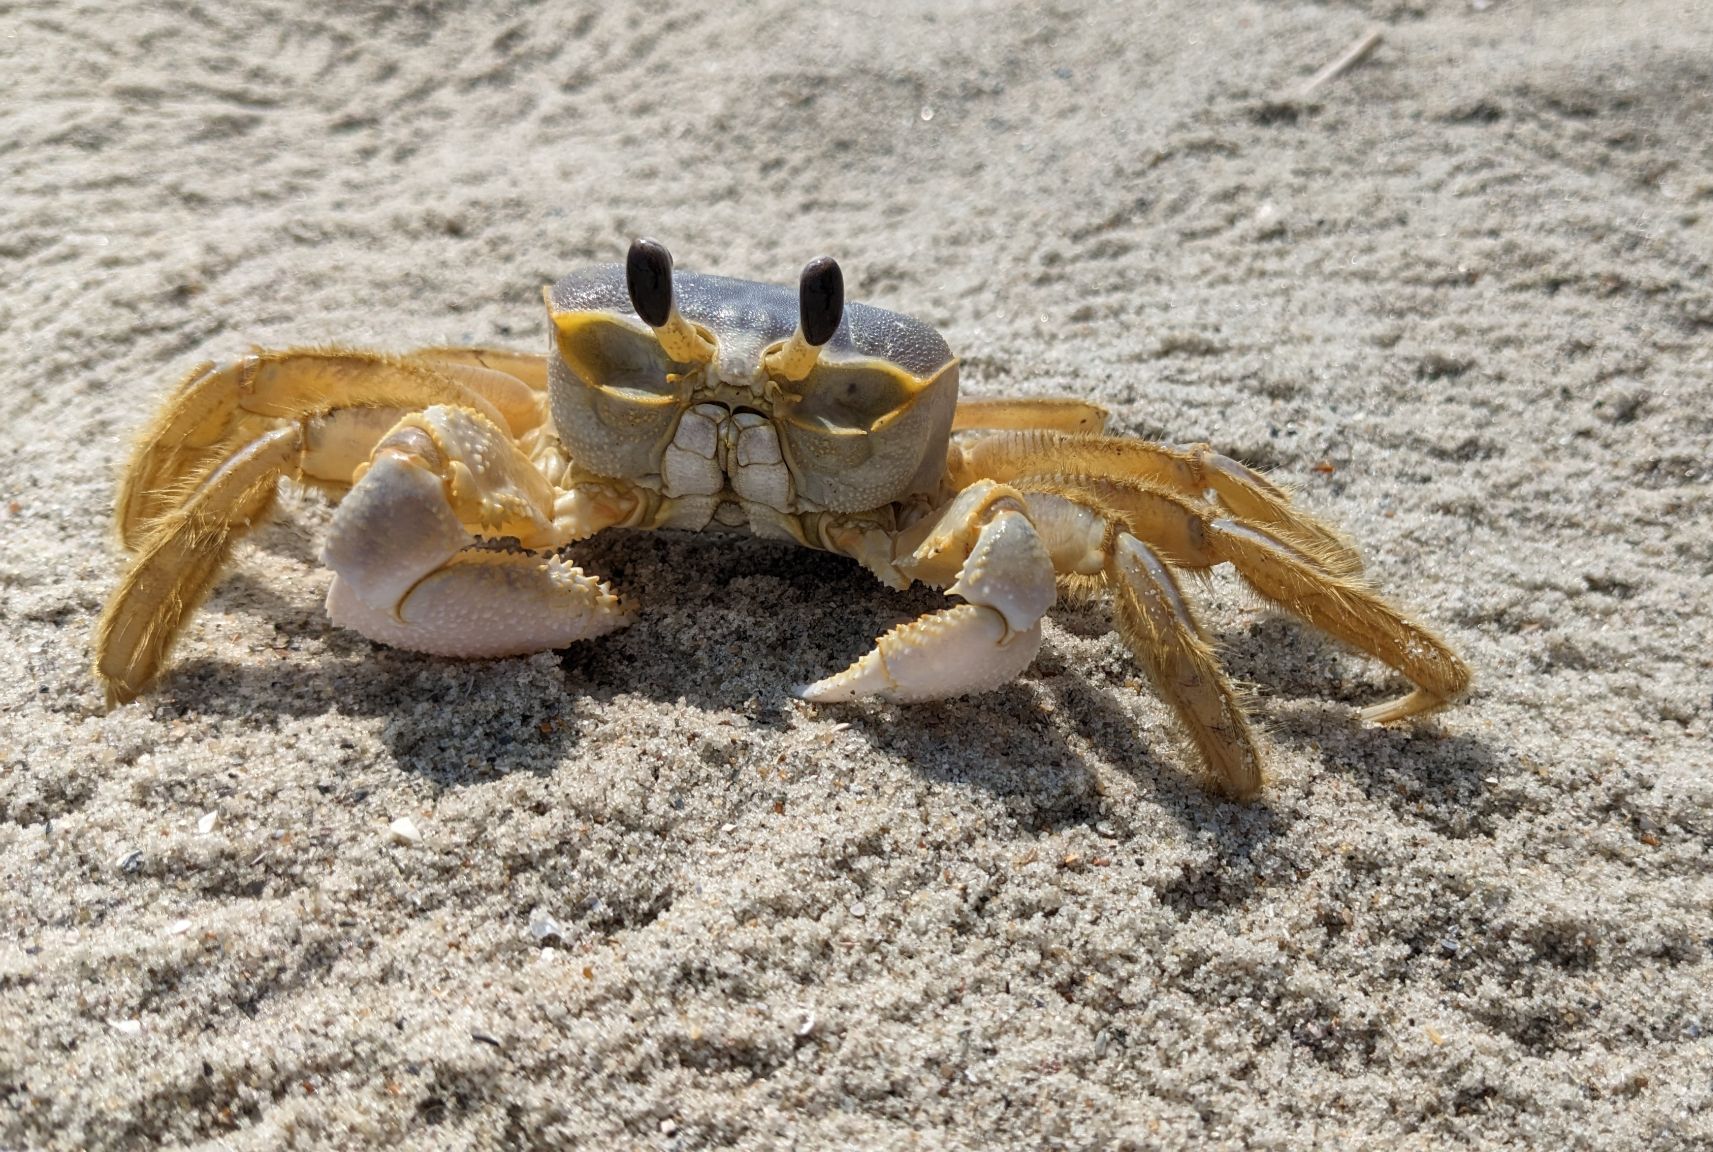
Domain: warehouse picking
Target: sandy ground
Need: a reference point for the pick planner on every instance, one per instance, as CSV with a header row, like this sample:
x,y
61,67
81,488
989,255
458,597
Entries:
x,y
1460,297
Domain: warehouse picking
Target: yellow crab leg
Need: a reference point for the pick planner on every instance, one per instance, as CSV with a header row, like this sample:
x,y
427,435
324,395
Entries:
x,y
1190,534
1191,472
531,369
177,562
215,410
1158,627
1050,413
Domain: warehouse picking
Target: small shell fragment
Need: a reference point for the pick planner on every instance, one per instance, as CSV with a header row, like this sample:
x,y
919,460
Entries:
x,y
404,831
542,926
205,824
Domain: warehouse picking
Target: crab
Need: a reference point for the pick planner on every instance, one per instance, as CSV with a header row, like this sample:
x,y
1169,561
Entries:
x,y
701,402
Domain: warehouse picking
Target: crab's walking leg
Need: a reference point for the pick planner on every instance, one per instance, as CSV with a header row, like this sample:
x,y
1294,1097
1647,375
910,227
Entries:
x,y
984,547
180,551
1157,625
1350,611
1045,412
1192,472
400,549
215,411
531,369
1190,534
176,564
1091,543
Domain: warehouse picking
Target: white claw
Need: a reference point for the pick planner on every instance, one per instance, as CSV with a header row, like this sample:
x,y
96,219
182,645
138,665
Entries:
x,y
957,652
1005,573
405,574
487,604
1010,571
393,529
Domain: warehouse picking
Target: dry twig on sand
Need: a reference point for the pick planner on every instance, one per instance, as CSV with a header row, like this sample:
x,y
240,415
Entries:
x,y
1351,57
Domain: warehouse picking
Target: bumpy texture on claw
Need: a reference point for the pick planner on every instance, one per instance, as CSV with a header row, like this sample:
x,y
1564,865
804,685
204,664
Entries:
x,y
405,573
481,604
955,652
984,546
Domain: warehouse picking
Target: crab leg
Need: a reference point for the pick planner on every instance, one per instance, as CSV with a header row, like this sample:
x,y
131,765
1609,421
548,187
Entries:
x,y
1169,642
984,547
176,564
487,480
1349,611
531,369
1091,547
405,573
215,411
1053,413
1190,534
1192,472
180,552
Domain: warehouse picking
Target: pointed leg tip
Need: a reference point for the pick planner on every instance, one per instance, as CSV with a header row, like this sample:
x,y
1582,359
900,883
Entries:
x,y
1243,791
827,691
1416,703
116,691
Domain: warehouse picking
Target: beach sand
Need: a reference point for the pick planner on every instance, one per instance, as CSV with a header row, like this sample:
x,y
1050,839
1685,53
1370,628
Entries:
x,y
1458,297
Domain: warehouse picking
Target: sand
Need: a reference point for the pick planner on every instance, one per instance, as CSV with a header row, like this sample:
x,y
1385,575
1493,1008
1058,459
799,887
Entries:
x,y
1459,297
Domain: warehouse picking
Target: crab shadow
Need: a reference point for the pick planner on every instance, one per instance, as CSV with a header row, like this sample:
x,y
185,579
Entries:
x,y
1309,687
727,625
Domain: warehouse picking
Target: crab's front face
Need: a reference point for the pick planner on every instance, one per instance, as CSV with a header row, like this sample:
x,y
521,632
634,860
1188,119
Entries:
x,y
725,373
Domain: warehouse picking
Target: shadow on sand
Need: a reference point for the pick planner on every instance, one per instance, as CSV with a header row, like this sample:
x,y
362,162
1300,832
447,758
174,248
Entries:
x,y
730,624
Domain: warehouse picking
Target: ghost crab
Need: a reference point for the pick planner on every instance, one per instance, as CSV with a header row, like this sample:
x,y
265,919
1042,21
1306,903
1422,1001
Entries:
x,y
703,402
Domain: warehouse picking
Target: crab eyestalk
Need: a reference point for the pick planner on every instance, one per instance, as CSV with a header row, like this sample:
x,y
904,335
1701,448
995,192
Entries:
x,y
821,305
648,276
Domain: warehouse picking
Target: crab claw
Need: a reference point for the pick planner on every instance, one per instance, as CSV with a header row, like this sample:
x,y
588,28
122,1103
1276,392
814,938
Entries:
x,y
956,652
485,604
1006,575
405,571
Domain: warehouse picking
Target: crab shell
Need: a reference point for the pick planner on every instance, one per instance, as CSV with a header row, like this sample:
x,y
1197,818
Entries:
x,y
866,428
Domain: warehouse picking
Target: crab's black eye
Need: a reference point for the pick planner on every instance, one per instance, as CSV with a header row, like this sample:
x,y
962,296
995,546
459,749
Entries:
x,y
821,300
648,275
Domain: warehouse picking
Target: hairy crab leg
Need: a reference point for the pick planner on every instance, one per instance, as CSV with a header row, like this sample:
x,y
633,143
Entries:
x,y
1191,472
1190,534
1053,413
530,368
1091,544
177,562
180,553
214,411
1349,611
981,547
1156,623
